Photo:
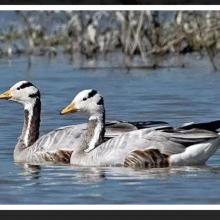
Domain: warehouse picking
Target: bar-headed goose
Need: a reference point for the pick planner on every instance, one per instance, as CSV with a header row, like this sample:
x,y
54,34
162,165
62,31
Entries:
x,y
57,145
140,148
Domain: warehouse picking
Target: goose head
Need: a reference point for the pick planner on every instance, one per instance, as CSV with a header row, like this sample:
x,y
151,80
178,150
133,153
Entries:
x,y
89,102
23,92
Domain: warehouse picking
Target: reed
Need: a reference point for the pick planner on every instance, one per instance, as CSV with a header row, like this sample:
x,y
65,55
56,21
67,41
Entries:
x,y
90,36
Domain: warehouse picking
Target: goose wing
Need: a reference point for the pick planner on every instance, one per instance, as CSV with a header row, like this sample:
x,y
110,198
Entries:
x,y
211,126
65,138
148,124
115,128
115,150
192,136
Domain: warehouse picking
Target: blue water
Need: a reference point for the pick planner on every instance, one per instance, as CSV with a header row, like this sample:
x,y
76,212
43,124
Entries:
x,y
175,95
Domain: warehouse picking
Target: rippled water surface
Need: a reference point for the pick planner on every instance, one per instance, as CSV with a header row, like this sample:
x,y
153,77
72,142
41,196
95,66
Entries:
x,y
174,95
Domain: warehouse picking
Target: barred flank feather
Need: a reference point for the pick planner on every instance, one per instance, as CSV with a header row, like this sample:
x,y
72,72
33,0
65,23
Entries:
x,y
61,156
151,158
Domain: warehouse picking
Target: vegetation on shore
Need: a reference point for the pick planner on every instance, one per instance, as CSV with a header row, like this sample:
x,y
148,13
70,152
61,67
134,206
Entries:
x,y
91,35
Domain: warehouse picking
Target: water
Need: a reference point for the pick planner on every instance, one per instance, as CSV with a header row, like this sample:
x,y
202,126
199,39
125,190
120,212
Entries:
x,y
174,95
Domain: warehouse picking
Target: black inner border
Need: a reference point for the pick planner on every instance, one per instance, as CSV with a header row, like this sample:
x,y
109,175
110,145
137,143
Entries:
x,y
114,215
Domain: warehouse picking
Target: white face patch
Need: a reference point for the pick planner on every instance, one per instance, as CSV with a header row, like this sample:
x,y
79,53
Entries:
x,y
88,101
24,92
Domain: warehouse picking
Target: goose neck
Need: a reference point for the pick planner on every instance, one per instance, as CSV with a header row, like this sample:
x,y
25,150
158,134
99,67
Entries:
x,y
30,131
95,132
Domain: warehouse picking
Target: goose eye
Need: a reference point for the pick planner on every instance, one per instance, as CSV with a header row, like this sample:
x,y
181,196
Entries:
x,y
84,99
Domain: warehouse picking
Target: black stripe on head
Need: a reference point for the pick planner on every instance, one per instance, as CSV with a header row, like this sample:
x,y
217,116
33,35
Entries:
x,y
101,101
35,95
92,93
24,85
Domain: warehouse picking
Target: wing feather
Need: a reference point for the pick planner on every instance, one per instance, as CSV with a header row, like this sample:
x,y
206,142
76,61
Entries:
x,y
115,150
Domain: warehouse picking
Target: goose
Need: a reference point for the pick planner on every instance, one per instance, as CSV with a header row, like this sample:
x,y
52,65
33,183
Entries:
x,y
144,148
57,145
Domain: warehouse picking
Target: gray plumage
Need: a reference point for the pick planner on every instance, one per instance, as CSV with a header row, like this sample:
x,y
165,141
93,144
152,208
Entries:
x,y
183,147
114,151
57,145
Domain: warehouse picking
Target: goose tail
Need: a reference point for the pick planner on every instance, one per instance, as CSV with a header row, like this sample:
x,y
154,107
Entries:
x,y
196,154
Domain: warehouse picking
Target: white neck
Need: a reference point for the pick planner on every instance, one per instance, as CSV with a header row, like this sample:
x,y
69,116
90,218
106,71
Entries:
x,y
30,110
98,131
97,116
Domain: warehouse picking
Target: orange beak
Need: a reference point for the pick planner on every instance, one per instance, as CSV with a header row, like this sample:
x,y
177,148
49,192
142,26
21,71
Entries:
x,y
6,95
71,108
